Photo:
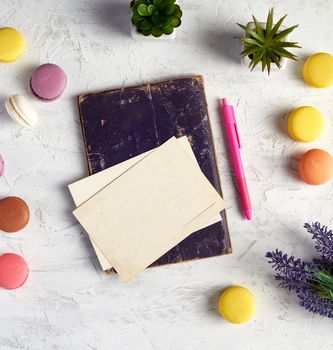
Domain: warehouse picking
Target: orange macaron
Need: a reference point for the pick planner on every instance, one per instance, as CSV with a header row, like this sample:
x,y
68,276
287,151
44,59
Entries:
x,y
316,167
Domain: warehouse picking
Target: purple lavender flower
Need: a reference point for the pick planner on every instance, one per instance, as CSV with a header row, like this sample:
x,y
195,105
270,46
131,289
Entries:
x,y
312,281
324,240
311,302
292,274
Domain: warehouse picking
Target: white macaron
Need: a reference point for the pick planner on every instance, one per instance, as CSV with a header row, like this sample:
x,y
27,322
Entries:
x,y
21,110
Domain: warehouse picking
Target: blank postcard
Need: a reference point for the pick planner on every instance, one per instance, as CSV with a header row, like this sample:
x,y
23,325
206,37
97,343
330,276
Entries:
x,y
149,209
86,188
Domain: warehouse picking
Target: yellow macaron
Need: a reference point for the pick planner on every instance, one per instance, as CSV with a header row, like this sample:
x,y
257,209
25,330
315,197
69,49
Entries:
x,y
237,304
318,70
12,45
306,124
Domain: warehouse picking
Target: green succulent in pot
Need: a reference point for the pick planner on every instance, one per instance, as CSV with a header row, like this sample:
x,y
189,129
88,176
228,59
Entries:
x,y
156,17
267,43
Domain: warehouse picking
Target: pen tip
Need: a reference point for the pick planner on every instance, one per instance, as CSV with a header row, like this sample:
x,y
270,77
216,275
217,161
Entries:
x,y
248,214
224,101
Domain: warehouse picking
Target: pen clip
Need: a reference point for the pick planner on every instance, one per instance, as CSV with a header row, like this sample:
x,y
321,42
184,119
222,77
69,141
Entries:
x,y
237,134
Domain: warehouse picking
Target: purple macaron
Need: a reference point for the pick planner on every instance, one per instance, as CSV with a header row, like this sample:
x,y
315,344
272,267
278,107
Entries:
x,y
48,82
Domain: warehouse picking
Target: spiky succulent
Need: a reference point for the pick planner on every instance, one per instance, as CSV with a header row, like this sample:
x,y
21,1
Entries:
x,y
266,44
156,17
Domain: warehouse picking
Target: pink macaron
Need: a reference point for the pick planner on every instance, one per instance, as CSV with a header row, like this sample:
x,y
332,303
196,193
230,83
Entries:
x,y
14,271
48,82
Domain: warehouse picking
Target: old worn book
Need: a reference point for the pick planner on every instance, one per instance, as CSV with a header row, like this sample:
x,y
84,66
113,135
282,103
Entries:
x,y
123,123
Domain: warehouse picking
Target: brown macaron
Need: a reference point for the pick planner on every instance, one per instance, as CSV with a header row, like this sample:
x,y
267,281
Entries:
x,y
14,214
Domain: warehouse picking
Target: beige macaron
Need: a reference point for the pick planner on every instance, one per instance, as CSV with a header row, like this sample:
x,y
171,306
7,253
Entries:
x,y
21,110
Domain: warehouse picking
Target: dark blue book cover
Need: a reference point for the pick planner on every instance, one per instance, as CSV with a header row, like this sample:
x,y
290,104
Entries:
x,y
123,123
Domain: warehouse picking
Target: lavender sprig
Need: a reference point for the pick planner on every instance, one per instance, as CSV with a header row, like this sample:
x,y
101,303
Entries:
x,y
324,239
310,301
312,281
293,274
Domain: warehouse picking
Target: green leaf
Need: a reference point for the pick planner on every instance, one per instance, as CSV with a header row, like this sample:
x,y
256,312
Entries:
x,y
167,3
323,284
137,23
135,10
176,22
275,58
169,10
250,50
241,25
252,33
324,277
138,2
178,12
157,3
251,41
269,23
284,33
143,10
167,29
284,53
256,59
151,9
263,61
157,32
166,20
277,26
137,19
289,44
268,62
156,18
259,29
146,32
144,25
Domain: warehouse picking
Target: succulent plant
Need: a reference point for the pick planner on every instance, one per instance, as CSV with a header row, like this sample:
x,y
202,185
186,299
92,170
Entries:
x,y
267,45
156,17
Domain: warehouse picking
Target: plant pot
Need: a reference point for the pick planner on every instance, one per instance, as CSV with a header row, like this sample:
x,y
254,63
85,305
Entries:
x,y
283,61
136,35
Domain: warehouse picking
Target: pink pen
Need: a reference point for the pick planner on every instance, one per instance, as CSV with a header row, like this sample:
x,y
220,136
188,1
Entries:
x,y
230,125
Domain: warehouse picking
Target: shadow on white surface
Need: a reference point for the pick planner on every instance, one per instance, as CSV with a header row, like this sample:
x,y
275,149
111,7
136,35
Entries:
x,y
213,297
292,165
224,44
296,69
116,15
5,119
281,121
25,75
2,104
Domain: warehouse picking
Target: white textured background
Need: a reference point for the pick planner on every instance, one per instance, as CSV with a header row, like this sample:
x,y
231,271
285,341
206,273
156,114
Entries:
x,y
68,303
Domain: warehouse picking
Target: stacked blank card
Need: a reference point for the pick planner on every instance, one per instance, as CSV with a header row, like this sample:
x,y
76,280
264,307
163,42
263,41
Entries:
x,y
138,210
